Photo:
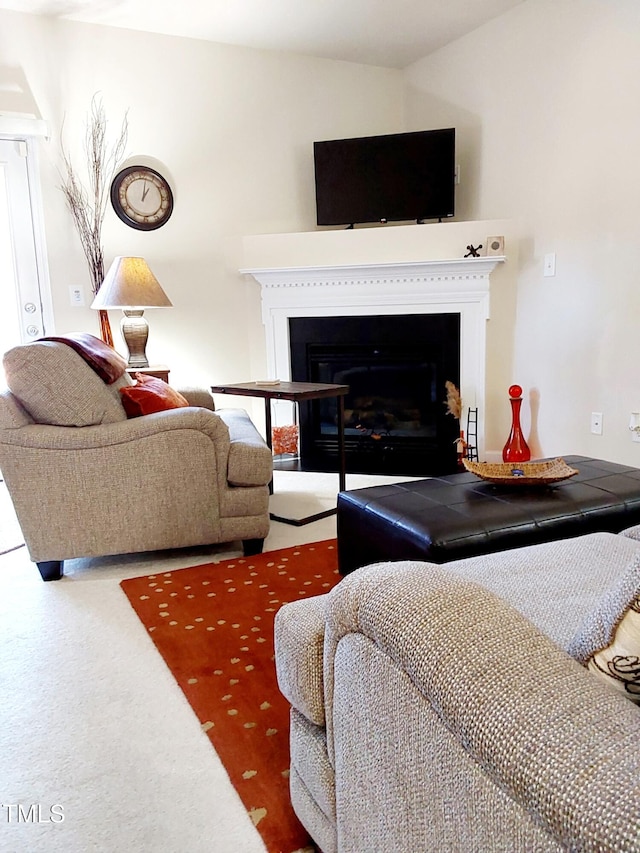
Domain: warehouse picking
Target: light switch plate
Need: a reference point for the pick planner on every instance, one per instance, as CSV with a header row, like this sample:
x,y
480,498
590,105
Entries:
x,y
550,264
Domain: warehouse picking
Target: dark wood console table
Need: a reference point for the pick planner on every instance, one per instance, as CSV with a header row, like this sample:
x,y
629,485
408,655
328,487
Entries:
x,y
295,392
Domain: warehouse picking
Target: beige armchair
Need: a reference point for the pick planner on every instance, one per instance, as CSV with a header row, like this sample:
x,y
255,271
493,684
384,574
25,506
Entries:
x,y
86,481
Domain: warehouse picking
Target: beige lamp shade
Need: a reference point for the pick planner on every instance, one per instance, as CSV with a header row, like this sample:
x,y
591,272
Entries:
x,y
129,284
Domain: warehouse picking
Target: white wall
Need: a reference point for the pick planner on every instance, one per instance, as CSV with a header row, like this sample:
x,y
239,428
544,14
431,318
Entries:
x,y
234,128
545,99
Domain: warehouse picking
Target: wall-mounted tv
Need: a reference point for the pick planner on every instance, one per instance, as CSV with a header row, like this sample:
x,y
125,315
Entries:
x,y
394,177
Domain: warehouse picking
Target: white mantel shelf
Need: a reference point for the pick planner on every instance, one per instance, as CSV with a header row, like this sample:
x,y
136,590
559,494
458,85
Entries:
x,y
432,270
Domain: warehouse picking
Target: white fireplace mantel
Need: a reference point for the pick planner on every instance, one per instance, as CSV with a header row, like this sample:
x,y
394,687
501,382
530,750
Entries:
x,y
433,269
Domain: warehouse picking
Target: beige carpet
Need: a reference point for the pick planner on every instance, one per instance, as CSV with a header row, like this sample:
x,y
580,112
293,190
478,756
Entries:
x,y
298,494
93,720
10,533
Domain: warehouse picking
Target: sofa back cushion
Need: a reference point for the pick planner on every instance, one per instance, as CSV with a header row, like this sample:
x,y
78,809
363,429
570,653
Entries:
x,y
56,386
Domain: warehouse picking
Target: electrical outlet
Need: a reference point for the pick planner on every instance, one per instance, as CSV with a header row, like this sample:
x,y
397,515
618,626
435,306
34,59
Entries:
x,y
596,423
76,295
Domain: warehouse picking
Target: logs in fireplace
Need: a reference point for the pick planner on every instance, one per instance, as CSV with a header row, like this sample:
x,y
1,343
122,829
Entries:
x,y
396,367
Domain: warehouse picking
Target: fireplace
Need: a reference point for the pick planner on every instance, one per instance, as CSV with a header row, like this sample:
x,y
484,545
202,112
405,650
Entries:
x,y
396,368
296,283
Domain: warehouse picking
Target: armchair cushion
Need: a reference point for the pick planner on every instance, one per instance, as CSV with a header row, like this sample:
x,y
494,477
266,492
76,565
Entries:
x,y
53,384
150,395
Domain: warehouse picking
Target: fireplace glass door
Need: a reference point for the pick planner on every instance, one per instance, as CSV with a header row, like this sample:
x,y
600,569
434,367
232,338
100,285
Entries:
x,y
395,414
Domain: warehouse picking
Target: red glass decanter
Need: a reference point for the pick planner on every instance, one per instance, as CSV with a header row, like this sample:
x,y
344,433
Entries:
x,y
516,449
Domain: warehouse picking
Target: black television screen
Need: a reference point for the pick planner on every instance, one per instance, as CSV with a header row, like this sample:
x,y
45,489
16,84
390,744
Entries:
x,y
397,176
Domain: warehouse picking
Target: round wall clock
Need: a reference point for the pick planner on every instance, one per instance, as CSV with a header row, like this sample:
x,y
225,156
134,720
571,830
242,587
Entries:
x,y
141,197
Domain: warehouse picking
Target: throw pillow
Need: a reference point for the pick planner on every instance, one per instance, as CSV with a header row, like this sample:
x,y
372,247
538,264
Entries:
x,y
619,663
150,395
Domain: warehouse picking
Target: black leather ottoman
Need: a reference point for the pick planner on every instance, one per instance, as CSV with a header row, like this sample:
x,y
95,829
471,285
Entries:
x,y
458,515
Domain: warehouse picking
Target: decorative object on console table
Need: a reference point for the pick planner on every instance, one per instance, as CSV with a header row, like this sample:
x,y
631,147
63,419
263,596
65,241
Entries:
x,y
88,206
132,286
473,252
516,449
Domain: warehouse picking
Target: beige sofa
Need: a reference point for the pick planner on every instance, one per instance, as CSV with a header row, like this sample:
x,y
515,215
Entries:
x,y
445,708
86,481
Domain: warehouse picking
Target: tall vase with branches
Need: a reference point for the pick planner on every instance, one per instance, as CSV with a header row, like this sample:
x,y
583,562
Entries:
x,y
88,203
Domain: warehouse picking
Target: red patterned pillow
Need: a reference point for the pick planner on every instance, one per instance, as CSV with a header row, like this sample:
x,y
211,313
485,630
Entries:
x,y
150,395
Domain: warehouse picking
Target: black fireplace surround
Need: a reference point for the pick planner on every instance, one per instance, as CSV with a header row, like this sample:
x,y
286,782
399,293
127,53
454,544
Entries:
x,y
396,367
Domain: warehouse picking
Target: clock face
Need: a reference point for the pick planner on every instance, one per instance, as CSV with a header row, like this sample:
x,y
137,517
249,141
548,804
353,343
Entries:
x,y
141,197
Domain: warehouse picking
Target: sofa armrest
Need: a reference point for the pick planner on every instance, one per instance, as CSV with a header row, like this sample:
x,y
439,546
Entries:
x,y
562,745
299,641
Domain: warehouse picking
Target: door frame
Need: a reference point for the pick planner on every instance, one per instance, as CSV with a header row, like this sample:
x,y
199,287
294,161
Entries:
x,y
30,132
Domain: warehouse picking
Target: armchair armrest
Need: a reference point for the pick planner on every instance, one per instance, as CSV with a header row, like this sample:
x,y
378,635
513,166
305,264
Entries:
x,y
250,459
198,397
548,733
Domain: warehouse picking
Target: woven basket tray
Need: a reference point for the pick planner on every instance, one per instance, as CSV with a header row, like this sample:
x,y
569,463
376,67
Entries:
x,y
522,473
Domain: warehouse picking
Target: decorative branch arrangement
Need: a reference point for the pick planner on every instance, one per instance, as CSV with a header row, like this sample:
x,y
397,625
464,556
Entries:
x,y
453,401
88,204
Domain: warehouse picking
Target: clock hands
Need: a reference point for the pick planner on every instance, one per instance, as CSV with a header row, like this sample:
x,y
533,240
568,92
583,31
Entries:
x,y
145,190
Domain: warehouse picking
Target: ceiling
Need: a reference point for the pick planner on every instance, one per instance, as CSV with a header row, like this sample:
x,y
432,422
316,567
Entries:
x,y
390,33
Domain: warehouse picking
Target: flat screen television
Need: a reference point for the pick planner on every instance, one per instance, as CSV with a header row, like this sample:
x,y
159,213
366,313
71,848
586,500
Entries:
x,y
397,176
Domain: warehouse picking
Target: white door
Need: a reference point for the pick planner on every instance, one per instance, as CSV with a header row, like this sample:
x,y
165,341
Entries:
x,y
22,306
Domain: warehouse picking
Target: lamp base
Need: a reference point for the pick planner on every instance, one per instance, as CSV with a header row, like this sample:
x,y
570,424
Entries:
x,y
135,331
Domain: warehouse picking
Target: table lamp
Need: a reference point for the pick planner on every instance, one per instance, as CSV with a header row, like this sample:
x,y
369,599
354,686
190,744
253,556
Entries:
x,y
129,284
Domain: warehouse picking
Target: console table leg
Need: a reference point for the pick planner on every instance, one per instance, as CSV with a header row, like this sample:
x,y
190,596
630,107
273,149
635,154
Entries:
x,y
267,427
342,458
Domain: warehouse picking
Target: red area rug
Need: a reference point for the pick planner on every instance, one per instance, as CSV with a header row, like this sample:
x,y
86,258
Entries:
x,y
213,626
